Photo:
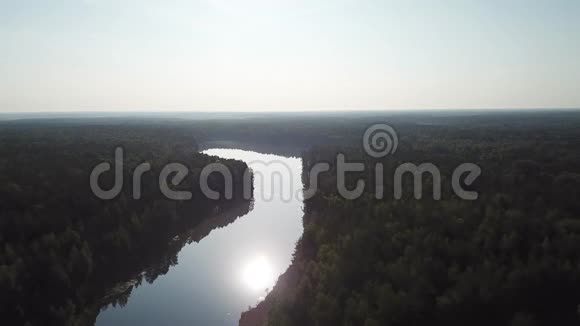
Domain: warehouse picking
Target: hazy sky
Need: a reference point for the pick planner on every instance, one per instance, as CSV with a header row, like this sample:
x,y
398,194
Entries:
x,y
75,55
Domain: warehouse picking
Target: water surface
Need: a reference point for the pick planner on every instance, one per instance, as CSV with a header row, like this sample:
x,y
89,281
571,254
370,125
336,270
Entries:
x,y
231,268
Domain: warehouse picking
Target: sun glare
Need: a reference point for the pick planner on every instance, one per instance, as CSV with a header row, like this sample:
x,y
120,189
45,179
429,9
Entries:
x,y
258,274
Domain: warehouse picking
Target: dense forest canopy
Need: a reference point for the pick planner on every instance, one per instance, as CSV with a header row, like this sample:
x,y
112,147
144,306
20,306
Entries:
x,y
62,248
508,258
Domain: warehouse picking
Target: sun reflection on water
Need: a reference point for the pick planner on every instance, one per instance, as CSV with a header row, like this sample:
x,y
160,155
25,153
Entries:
x,y
258,274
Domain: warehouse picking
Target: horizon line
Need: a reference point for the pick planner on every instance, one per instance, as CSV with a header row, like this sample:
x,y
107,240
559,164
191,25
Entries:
x,y
217,111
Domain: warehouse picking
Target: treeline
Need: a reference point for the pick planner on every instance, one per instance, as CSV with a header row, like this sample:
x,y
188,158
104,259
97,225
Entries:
x,y
62,248
511,257
292,133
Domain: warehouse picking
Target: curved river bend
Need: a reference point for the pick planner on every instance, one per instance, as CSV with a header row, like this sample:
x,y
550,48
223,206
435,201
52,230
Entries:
x,y
231,268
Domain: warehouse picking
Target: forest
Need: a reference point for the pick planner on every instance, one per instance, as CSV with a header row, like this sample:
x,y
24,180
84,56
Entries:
x,y
511,257
63,249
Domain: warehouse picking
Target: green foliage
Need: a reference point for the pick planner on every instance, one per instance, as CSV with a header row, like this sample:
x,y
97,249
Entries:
x,y
61,247
509,258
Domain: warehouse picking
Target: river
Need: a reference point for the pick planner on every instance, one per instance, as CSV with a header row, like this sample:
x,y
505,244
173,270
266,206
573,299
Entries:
x,y
233,267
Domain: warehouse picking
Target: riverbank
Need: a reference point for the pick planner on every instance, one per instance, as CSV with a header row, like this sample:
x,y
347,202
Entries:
x,y
216,276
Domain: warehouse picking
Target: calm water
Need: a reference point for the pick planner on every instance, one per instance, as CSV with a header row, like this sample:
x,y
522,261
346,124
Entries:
x,y
230,269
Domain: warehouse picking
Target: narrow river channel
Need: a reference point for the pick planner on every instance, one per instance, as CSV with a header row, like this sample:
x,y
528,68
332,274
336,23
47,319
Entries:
x,y
231,268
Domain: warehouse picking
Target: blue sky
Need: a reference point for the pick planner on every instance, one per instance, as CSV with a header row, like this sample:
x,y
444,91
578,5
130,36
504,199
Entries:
x,y
88,55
